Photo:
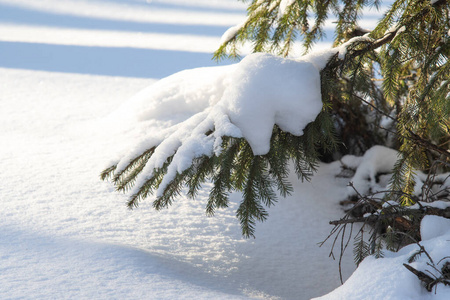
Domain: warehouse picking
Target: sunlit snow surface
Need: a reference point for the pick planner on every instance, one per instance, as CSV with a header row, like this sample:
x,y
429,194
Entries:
x,y
66,234
67,67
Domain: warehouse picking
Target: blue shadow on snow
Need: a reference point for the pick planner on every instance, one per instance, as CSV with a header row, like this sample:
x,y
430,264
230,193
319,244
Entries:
x,y
126,62
21,15
184,6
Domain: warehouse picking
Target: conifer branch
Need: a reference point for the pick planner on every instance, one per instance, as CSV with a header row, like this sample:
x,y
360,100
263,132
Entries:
x,y
373,218
413,86
427,144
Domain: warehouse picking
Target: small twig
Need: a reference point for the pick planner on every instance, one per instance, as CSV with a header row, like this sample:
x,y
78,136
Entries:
x,y
422,277
422,248
442,259
376,108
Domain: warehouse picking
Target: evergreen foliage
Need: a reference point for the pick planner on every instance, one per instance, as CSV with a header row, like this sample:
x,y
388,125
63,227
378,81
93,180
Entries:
x,y
234,169
391,87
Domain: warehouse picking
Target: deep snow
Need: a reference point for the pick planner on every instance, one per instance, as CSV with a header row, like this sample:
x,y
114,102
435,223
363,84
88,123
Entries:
x,y
67,68
58,215
59,221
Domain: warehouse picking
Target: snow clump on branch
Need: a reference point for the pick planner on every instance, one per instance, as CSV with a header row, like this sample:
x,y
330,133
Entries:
x,y
249,99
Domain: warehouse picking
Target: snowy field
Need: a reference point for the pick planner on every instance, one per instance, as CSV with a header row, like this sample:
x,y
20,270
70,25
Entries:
x,y
67,70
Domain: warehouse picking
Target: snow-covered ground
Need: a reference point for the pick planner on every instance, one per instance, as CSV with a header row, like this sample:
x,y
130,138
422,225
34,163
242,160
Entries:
x,y
67,69
66,234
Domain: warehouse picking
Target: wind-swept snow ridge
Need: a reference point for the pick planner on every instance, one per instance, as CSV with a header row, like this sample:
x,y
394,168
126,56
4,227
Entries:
x,y
245,100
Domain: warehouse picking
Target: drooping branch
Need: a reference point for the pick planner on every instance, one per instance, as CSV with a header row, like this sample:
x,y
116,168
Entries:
x,y
215,144
243,142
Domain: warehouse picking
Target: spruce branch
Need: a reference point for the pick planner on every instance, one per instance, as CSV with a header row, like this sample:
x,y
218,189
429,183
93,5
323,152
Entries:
x,y
373,218
412,59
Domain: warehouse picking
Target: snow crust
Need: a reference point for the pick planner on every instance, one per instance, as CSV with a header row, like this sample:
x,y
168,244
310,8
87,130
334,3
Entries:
x,y
343,48
177,97
373,174
195,43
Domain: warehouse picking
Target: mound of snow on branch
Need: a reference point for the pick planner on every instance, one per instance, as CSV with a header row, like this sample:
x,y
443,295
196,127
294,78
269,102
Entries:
x,y
245,100
177,97
373,174
268,90
377,160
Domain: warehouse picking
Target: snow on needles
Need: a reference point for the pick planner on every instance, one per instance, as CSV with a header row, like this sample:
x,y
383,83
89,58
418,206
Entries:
x,y
231,32
260,91
284,5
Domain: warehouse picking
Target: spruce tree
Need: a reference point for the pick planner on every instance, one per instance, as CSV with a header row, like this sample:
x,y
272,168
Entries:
x,y
399,72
